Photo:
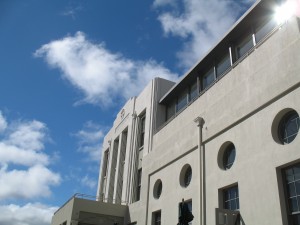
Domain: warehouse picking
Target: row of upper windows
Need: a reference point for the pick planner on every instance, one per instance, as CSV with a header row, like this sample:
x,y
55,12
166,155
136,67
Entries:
x,y
222,63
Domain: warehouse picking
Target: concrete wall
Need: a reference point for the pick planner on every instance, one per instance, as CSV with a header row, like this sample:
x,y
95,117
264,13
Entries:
x,y
239,108
64,214
129,118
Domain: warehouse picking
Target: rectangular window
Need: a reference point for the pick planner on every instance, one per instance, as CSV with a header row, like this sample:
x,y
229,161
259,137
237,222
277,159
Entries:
x,y
263,29
156,218
292,186
193,91
142,132
139,184
223,65
189,206
182,101
170,110
231,198
208,78
244,46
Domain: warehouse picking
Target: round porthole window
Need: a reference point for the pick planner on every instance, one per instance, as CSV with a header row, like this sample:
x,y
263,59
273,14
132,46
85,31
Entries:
x,y
285,126
185,175
226,156
157,189
229,156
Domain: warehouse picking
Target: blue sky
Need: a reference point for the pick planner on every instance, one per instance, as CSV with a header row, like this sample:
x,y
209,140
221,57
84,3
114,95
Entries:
x,y
66,69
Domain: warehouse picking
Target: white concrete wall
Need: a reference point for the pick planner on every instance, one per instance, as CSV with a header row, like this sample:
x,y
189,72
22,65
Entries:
x,y
239,108
64,214
128,118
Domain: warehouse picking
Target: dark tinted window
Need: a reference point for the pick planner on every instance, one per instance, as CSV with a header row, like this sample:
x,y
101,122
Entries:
x,y
229,157
292,182
208,78
193,91
289,127
244,46
157,218
231,198
264,29
188,176
139,184
223,65
182,101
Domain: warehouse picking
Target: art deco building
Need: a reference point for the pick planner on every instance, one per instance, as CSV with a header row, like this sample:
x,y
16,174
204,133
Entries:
x,y
223,138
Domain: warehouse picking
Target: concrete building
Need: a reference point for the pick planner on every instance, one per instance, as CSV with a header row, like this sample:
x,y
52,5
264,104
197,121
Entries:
x,y
224,138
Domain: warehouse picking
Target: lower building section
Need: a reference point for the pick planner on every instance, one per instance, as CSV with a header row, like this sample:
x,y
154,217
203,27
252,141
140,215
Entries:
x,y
79,210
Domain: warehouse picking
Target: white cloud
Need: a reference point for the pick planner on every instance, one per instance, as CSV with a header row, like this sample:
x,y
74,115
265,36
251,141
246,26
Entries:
x,y
30,183
89,182
90,140
26,157
29,214
200,23
23,164
28,135
102,76
3,123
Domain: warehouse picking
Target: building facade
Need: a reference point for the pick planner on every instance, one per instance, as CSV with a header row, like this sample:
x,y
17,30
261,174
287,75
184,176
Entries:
x,y
223,138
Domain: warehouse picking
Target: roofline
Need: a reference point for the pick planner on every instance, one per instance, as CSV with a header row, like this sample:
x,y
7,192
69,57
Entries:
x,y
211,49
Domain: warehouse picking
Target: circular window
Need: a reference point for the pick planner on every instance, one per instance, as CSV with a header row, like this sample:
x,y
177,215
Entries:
x,y
185,175
288,127
226,156
285,126
229,156
157,189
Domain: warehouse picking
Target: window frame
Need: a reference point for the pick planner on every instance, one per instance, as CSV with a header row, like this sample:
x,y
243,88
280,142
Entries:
x,y
230,199
142,130
241,43
157,189
210,72
282,125
182,100
221,62
285,184
189,203
139,184
188,176
264,27
193,91
156,217
227,164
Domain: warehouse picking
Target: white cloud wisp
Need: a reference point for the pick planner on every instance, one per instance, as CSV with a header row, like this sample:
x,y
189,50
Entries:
x,y
102,76
199,22
90,140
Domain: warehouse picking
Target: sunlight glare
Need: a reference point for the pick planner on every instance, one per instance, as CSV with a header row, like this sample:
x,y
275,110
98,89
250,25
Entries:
x,y
285,11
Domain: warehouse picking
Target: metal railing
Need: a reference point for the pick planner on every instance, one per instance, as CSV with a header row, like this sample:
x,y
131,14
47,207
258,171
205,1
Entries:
x,y
81,196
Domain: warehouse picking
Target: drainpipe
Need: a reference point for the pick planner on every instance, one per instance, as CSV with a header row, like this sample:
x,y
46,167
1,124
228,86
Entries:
x,y
200,122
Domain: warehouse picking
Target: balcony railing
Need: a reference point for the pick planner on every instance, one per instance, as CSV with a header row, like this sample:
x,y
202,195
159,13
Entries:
x,y
81,196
